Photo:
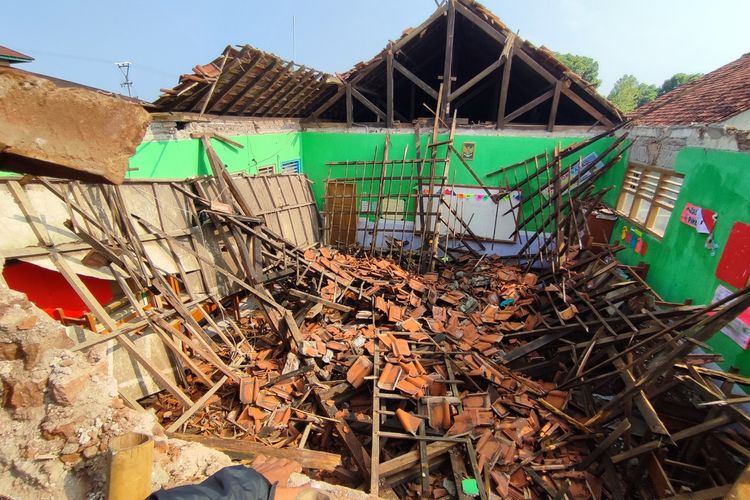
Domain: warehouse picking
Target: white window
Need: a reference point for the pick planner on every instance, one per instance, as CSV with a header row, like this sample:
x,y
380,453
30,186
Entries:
x,y
648,196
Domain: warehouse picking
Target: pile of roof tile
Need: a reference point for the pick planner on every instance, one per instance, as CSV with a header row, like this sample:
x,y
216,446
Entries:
x,y
434,353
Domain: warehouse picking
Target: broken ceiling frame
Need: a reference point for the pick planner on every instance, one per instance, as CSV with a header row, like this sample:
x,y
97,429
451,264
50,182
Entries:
x,y
462,57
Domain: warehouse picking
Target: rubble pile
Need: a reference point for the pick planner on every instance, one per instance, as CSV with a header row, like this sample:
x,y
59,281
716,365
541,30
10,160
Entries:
x,y
60,410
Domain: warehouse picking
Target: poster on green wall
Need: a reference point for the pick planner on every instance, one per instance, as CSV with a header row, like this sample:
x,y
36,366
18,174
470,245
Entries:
x,y
739,328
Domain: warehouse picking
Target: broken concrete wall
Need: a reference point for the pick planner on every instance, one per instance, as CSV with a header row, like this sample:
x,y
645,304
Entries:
x,y
68,132
659,146
60,409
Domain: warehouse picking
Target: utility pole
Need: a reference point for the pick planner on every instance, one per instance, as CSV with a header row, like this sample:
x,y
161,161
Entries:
x,y
125,70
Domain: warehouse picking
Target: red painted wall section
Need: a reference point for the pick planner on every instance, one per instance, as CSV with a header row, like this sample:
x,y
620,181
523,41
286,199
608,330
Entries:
x,y
49,290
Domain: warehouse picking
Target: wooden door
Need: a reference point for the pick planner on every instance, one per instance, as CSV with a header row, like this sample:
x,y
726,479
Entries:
x,y
341,212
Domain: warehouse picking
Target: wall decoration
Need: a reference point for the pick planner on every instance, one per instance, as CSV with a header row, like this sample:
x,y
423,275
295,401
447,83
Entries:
x,y
487,219
734,265
467,150
633,238
739,328
701,219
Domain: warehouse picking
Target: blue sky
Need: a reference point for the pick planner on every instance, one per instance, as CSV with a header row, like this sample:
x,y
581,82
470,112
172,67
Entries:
x,y
80,40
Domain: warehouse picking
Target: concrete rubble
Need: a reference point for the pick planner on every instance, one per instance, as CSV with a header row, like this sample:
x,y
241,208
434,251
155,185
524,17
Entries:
x,y
61,408
66,131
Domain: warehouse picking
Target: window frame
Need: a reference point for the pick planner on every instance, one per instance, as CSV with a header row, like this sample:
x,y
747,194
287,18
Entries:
x,y
660,193
269,169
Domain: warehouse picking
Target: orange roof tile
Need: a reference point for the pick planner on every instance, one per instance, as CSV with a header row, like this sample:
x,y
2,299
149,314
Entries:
x,y
713,98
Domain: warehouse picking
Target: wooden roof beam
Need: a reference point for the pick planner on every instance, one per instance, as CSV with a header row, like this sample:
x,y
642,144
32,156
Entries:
x,y
276,96
414,79
229,87
481,23
324,107
367,103
303,88
282,71
248,86
530,105
399,44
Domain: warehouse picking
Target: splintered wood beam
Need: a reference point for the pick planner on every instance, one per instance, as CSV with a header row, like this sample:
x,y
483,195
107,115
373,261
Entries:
x,y
480,23
197,406
604,445
478,78
530,105
701,428
400,43
248,450
448,63
415,79
229,87
367,103
555,105
216,81
389,88
471,171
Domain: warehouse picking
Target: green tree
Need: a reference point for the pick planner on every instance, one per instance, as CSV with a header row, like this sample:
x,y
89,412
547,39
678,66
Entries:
x,y
676,80
628,93
584,66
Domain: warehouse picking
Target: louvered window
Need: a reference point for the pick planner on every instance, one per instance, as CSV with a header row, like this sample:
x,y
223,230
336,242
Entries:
x,y
266,170
648,196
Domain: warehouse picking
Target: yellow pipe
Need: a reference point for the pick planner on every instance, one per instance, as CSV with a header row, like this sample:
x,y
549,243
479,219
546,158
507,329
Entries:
x,y
131,461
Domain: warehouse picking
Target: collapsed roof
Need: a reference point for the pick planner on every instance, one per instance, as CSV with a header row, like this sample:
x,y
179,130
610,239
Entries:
x,y
489,75
249,82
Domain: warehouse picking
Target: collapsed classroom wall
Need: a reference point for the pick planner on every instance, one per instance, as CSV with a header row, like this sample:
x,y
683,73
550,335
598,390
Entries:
x,y
170,152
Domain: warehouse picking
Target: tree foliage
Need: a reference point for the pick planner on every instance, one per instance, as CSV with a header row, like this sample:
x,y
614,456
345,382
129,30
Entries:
x,y
585,67
628,93
676,80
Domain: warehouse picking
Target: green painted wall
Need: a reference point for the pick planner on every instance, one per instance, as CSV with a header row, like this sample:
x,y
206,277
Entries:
x,y
680,266
491,152
185,158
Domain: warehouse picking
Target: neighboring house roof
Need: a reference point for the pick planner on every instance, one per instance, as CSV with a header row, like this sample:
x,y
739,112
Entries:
x,y
13,56
713,98
245,81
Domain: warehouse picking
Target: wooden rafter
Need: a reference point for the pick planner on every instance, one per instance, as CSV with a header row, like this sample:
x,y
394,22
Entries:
x,y
555,105
266,87
510,47
448,63
330,102
477,78
415,79
249,86
367,103
284,89
530,105
229,87
294,93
